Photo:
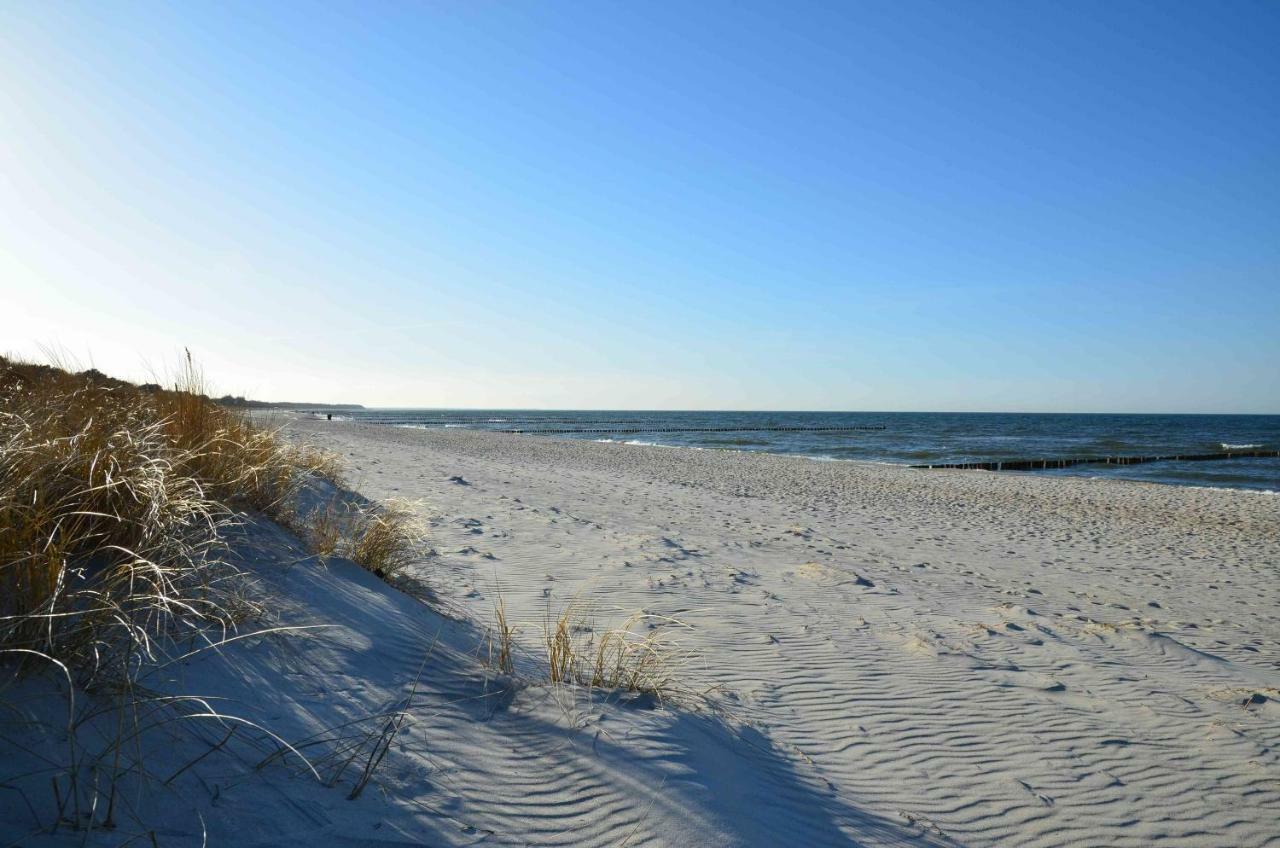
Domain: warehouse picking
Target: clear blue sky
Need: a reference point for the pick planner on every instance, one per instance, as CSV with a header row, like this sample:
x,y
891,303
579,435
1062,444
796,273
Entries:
x,y
844,205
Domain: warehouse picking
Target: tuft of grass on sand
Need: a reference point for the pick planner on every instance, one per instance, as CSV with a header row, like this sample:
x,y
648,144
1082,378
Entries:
x,y
634,656
386,537
383,538
501,640
323,530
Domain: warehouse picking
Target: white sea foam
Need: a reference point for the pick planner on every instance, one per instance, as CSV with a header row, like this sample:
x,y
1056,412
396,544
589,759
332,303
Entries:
x,y
1227,446
645,444
657,445
852,460
1237,489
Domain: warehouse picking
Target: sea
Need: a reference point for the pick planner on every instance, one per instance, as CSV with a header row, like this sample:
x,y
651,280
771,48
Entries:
x,y
911,438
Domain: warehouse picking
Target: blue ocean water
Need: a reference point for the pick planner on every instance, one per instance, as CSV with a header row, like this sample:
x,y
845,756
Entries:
x,y
916,437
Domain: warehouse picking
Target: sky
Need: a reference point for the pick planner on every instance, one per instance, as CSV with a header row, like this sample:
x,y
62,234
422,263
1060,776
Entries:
x,y
994,206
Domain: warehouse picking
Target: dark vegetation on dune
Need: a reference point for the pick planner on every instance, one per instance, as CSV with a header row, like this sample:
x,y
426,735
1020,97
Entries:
x,y
34,371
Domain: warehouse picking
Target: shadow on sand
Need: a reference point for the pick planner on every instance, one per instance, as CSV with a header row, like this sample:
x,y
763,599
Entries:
x,y
482,759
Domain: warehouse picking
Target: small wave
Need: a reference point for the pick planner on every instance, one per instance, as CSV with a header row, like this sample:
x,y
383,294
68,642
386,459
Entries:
x,y
455,425
1240,489
1228,446
638,442
659,445
643,443
821,457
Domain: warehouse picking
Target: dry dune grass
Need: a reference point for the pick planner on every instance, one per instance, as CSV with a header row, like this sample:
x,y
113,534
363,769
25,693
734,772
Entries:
x,y
501,640
635,656
383,538
112,498
322,529
242,462
386,537
104,517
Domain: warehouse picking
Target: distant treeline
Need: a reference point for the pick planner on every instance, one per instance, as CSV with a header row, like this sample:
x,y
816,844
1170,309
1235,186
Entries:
x,y
228,400
93,375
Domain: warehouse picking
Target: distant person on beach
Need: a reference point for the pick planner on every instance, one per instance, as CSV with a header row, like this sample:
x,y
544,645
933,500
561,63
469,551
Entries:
x,y
329,416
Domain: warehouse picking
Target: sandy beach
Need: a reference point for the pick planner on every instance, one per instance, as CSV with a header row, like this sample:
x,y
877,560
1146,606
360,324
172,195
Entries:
x,y
979,659
618,425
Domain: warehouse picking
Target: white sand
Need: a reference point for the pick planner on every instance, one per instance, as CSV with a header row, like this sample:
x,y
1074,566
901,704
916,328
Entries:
x,y
1036,661
903,658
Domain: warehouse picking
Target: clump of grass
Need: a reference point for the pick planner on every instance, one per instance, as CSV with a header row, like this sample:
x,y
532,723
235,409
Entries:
x,y
324,530
323,464
634,656
386,537
383,538
501,640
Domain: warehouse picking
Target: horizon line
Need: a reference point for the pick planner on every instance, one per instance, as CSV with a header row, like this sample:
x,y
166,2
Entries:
x,y
783,411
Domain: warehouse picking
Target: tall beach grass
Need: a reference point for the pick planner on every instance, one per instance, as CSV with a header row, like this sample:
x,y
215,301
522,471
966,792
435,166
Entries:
x,y
112,499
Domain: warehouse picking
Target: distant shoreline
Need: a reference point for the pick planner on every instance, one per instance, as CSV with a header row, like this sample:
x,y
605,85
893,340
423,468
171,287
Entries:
x,y
242,403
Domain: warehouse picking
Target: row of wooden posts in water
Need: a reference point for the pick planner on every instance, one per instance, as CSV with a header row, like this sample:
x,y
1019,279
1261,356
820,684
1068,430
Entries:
x,y
1037,464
